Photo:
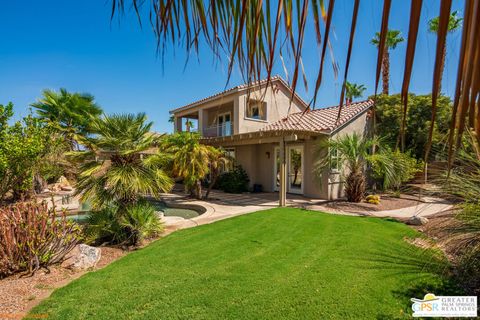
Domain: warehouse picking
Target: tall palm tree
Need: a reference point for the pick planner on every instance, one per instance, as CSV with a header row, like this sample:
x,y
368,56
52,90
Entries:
x,y
119,166
70,113
353,152
190,159
392,40
454,24
353,91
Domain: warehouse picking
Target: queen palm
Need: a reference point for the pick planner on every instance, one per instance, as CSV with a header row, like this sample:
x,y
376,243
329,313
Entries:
x,y
119,166
392,40
190,159
70,113
353,91
454,23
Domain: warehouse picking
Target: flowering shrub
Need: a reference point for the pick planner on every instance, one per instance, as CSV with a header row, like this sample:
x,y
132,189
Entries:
x,y
33,236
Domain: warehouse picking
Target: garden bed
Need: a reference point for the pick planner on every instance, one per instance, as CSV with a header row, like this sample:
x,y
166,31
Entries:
x,y
387,202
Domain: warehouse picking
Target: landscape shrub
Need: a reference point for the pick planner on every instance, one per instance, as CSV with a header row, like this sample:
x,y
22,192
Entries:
x,y
394,168
234,181
33,236
130,226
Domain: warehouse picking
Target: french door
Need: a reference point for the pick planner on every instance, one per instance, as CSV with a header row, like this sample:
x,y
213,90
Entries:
x,y
295,169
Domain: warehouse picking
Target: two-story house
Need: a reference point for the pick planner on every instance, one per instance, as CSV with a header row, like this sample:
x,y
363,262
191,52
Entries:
x,y
256,124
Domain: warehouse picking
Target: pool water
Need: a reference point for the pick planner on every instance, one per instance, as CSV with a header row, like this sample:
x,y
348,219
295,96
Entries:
x,y
173,212
159,205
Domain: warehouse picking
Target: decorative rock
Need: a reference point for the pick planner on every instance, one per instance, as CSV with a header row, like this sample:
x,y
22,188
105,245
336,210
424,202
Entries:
x,y
66,188
86,257
417,221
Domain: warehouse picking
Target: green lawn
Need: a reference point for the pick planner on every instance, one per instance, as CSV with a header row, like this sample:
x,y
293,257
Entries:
x,y
275,264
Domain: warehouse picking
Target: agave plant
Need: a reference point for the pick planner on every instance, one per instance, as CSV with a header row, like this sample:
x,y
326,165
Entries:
x,y
120,165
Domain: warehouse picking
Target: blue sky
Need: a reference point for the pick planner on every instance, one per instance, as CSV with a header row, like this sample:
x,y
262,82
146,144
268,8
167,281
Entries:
x,y
73,44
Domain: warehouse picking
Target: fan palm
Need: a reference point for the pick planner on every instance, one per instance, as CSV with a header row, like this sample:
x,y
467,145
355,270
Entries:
x,y
71,113
117,168
353,91
353,152
392,40
454,23
190,159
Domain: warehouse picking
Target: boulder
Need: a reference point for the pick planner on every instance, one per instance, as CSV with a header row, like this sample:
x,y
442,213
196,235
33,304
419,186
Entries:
x,y
62,181
417,221
66,188
84,257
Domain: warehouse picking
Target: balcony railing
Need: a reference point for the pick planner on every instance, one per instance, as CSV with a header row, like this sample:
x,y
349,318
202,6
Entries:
x,y
218,130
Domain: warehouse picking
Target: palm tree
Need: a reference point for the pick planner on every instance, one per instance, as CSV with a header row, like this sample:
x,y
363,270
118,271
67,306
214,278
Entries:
x,y
218,161
190,159
354,152
454,23
71,113
353,91
119,166
392,40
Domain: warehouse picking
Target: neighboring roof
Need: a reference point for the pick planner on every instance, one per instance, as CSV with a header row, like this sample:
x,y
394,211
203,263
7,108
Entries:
x,y
239,88
320,120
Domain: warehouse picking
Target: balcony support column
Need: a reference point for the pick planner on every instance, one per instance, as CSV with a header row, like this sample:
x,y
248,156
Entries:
x,y
202,118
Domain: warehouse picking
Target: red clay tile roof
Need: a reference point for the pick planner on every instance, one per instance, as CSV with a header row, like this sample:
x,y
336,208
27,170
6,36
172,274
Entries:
x,y
319,120
239,88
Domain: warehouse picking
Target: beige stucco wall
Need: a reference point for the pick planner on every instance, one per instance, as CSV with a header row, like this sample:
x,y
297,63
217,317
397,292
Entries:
x,y
278,103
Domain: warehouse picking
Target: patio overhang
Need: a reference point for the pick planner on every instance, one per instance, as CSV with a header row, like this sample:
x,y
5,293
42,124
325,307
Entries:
x,y
262,137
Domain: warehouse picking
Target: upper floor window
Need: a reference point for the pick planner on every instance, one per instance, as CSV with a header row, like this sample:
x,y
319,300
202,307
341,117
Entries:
x,y
256,109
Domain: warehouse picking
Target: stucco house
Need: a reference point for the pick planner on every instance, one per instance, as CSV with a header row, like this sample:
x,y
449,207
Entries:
x,y
254,122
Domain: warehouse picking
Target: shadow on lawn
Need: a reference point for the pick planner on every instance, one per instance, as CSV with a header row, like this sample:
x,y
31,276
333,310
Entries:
x,y
428,271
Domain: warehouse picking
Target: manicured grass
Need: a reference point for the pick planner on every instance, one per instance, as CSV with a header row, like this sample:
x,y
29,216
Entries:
x,y
275,264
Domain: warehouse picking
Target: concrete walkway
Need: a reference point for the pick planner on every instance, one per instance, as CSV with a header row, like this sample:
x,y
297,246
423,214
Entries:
x,y
428,207
223,205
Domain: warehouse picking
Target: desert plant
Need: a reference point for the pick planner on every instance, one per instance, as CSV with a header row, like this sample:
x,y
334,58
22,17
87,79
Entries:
x,y
353,151
394,168
33,237
117,167
70,113
218,161
190,159
25,147
234,181
138,222
141,222
353,91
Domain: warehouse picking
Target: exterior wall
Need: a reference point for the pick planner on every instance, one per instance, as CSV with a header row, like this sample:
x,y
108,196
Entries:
x,y
278,103
360,125
276,96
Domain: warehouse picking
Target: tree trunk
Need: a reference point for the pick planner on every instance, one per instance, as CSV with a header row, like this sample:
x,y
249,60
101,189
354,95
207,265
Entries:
x,y
355,186
210,186
442,67
385,72
198,189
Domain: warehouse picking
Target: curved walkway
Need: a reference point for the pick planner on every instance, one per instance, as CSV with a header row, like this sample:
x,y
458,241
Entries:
x,y
223,205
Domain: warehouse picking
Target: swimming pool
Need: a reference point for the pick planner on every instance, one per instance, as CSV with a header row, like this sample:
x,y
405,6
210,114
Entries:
x,y
169,210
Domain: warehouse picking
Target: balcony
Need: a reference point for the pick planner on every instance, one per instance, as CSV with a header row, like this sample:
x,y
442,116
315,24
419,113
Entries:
x,y
218,130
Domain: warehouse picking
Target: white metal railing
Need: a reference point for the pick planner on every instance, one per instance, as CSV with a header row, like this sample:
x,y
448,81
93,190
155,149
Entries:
x,y
218,130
